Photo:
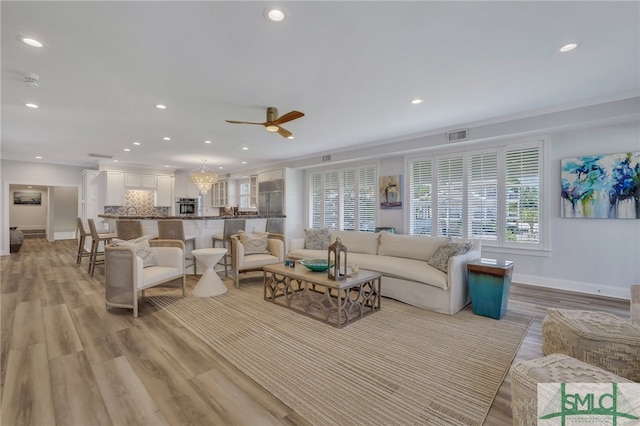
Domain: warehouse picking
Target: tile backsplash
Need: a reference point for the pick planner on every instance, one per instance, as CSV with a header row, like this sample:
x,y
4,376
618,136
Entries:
x,y
142,201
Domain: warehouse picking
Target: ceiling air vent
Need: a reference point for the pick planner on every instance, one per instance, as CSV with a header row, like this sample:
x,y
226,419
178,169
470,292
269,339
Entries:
x,y
458,135
100,155
326,158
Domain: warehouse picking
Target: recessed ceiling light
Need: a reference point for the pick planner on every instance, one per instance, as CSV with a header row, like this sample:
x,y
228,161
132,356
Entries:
x,y
166,138
244,162
32,105
29,186
166,165
416,101
275,15
136,143
160,106
38,157
244,148
220,167
207,141
115,161
30,41
568,47
290,137
126,150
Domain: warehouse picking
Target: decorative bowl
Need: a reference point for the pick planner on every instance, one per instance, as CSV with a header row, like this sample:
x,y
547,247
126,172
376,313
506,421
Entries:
x,y
316,265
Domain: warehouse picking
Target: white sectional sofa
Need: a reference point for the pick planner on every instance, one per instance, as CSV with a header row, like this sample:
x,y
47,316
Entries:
x,y
403,261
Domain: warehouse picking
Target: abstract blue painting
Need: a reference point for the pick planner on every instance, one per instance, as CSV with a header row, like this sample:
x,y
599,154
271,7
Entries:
x,y
601,186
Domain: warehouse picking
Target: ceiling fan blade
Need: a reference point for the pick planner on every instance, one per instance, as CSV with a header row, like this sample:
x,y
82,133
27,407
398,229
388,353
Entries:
x,y
244,122
292,115
284,132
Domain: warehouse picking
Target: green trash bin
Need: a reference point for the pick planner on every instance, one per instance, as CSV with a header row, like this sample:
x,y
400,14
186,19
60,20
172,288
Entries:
x,y
489,282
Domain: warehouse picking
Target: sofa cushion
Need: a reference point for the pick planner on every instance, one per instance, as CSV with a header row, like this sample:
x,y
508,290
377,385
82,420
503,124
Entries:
x,y
358,242
141,247
446,251
317,239
418,247
254,243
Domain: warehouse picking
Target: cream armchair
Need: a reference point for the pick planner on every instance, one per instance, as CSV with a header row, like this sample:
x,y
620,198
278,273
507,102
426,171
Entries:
x,y
125,273
244,262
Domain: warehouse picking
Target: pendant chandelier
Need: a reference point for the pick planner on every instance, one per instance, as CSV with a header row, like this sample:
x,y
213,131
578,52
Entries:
x,y
203,178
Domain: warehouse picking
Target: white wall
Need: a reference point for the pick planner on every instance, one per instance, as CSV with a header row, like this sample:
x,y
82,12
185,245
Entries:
x,y
26,216
65,211
597,256
35,174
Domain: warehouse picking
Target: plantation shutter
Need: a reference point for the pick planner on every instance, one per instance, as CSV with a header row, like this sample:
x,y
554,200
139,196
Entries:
x,y
348,222
367,199
420,197
482,193
522,195
331,200
316,212
450,196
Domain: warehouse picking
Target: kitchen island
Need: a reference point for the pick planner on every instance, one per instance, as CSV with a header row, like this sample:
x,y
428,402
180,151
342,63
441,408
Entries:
x,y
203,228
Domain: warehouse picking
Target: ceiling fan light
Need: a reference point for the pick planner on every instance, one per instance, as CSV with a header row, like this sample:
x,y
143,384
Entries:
x,y
272,128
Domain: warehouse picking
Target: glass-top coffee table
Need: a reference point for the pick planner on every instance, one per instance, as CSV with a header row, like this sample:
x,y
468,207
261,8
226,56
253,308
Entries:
x,y
337,303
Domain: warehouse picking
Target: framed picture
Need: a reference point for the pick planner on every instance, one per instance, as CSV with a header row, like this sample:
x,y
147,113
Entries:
x,y
32,198
601,186
391,192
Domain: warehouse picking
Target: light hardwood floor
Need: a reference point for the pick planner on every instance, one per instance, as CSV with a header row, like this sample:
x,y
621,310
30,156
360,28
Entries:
x,y
65,360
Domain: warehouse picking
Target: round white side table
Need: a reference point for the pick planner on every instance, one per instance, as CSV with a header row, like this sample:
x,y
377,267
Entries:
x,y
210,283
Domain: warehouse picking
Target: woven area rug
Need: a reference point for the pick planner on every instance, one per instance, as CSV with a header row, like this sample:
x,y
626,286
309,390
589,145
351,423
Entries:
x,y
401,365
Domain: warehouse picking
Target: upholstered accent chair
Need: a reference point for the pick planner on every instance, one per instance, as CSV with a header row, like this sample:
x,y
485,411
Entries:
x,y
127,273
246,256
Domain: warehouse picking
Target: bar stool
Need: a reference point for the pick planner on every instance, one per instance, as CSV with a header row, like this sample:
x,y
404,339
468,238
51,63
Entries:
x,y
95,242
231,227
174,230
129,229
275,225
82,238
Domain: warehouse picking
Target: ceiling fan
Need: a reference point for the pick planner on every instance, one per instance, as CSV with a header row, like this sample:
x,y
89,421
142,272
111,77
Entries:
x,y
273,121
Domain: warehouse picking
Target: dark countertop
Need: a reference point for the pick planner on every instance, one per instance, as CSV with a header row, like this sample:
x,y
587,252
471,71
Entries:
x,y
246,216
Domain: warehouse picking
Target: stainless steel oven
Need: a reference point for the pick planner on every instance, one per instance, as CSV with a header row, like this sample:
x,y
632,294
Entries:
x,y
188,207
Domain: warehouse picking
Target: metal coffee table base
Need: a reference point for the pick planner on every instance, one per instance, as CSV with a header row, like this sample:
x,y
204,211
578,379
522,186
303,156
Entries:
x,y
337,303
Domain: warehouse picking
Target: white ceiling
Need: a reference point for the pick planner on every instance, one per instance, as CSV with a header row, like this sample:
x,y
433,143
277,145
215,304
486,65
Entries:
x,y
351,67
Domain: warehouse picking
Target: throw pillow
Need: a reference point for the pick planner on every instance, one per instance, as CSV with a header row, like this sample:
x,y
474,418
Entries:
x,y
254,243
317,239
141,247
448,249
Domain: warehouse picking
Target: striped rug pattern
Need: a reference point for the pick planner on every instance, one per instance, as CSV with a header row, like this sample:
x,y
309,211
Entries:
x,y
401,365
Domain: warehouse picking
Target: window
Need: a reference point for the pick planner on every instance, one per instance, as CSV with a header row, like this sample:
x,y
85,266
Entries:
x,y
343,199
491,194
245,194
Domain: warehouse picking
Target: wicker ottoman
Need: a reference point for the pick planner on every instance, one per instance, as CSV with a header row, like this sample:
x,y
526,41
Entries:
x,y
597,338
556,368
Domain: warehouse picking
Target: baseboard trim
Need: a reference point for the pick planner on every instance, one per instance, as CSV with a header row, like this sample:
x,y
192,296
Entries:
x,y
575,286
66,235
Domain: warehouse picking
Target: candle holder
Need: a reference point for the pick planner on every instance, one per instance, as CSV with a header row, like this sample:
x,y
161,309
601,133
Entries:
x,y
337,261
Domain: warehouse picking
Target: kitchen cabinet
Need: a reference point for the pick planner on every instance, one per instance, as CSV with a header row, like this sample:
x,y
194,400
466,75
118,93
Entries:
x,y
270,175
253,191
184,188
220,194
164,190
135,180
114,188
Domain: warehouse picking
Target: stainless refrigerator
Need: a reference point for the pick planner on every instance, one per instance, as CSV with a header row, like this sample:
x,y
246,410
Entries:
x,y
271,198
